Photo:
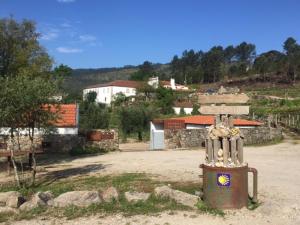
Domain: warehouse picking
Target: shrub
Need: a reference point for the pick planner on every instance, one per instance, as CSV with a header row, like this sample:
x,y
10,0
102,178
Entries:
x,y
86,150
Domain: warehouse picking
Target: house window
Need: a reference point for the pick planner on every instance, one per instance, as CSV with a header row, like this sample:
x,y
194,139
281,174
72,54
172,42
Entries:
x,y
127,90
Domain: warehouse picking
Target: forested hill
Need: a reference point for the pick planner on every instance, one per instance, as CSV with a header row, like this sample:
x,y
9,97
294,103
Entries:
x,y
84,77
198,67
81,78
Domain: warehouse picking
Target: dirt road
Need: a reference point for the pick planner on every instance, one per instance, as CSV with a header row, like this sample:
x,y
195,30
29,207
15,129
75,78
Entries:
x,y
279,184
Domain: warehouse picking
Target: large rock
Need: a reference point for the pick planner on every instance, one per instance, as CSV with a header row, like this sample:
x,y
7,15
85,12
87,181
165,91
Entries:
x,y
179,196
11,199
77,198
39,199
133,196
8,210
110,194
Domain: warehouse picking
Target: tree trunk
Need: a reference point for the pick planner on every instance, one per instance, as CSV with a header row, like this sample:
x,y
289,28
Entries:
x,y
32,155
13,158
140,136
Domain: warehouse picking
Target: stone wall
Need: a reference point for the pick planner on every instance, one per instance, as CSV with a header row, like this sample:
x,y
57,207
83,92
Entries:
x,y
191,138
261,135
185,138
23,142
107,144
63,143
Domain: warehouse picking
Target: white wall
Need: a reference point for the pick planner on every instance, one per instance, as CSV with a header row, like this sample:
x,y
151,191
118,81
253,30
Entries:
x,y
106,94
59,130
186,110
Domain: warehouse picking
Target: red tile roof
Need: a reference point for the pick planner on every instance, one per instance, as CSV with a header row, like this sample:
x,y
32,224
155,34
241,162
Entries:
x,y
209,120
118,83
67,115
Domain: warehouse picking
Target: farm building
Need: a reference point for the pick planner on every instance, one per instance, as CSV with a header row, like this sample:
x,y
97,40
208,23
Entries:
x,y
190,131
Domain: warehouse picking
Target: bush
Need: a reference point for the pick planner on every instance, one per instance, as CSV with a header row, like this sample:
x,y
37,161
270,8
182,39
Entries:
x,y
86,150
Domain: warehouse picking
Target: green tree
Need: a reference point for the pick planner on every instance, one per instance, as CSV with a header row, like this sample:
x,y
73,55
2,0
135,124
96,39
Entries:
x,y
212,62
292,50
93,116
91,97
182,112
145,71
165,100
20,51
24,104
119,99
195,110
135,119
26,85
187,69
269,62
62,71
146,91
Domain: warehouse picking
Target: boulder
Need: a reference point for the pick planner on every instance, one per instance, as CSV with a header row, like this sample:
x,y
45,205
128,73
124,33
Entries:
x,y
8,210
39,199
77,198
110,194
11,199
178,196
133,196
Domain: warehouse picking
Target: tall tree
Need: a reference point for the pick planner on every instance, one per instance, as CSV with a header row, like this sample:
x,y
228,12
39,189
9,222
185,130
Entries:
x,y
212,62
26,82
292,50
24,104
145,71
20,51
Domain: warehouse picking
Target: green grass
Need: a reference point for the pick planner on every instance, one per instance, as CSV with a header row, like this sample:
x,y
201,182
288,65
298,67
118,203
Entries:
x,y
125,182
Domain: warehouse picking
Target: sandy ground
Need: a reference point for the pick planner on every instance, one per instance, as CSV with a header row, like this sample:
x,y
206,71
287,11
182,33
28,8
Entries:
x,y
279,184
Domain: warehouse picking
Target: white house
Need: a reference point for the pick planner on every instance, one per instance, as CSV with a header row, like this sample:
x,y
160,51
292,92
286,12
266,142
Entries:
x,y
186,106
106,92
154,82
67,122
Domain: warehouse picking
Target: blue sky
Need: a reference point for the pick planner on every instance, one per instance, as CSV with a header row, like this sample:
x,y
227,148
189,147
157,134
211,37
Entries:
x,y
99,33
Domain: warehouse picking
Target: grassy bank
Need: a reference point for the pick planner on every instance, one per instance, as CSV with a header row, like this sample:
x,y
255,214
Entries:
x,y
125,182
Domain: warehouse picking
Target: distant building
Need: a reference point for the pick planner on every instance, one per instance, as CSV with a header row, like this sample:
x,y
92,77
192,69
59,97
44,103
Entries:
x,y
186,106
154,82
106,92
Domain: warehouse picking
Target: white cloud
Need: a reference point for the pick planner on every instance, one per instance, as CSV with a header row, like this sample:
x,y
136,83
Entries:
x,y
87,38
68,50
49,35
65,25
66,1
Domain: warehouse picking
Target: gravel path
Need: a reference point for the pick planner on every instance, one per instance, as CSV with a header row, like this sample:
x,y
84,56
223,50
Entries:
x,y
279,184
